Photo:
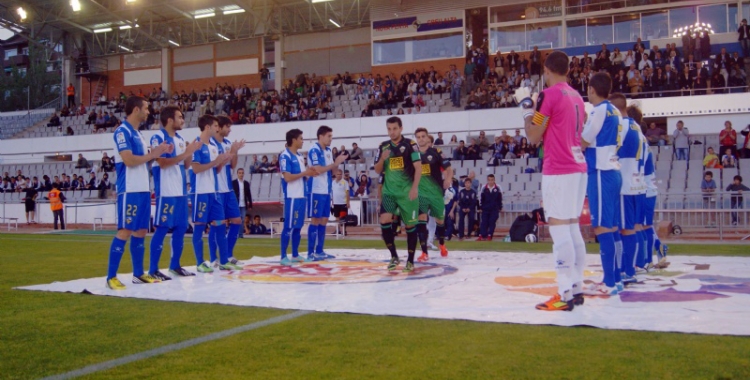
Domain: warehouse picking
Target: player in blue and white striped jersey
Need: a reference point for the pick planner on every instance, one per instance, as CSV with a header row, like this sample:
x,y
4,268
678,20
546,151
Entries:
x,y
293,176
631,158
207,206
170,186
133,192
228,198
319,198
651,240
601,141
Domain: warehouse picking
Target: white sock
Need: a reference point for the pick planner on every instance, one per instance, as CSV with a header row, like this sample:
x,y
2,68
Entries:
x,y
562,251
579,246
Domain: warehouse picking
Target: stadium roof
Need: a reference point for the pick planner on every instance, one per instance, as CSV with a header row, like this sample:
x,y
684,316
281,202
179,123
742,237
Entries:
x,y
140,25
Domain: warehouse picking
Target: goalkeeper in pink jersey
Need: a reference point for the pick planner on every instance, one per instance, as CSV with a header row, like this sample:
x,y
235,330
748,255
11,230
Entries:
x,y
556,116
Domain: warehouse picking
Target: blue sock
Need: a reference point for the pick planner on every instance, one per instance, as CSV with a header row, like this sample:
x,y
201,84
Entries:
x,y
312,238
657,245
618,255
286,235
221,242
640,254
115,255
321,238
628,254
157,245
649,245
644,248
607,252
232,236
212,243
296,237
137,251
198,242
178,243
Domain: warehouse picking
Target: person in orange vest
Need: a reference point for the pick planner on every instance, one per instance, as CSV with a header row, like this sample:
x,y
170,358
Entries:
x,y
56,199
71,96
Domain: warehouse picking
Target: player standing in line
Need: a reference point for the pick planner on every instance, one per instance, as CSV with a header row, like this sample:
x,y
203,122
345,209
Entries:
x,y
649,203
557,118
133,192
207,204
170,186
601,139
293,173
630,158
225,192
399,161
319,157
437,174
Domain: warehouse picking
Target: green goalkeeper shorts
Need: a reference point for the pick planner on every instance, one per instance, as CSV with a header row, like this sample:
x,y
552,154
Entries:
x,y
403,206
432,204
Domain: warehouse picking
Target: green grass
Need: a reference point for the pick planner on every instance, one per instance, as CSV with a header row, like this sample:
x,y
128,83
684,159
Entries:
x,y
43,334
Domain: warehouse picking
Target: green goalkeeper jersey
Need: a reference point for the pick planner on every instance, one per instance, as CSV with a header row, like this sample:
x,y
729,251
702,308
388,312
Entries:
x,y
398,169
433,165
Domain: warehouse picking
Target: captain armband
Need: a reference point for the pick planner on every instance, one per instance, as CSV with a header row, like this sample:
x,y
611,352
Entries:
x,y
540,119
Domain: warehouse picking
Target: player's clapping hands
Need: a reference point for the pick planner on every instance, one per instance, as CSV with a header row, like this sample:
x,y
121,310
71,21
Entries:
x,y
193,146
237,145
341,158
162,148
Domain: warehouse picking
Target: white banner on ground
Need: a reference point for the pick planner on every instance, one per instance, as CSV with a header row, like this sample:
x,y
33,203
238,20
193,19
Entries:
x,y
709,295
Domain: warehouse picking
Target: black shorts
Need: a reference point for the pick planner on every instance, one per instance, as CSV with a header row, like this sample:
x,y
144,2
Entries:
x,y
30,206
336,210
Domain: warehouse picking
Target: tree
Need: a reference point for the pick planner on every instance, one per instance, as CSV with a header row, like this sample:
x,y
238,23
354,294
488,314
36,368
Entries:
x,y
44,86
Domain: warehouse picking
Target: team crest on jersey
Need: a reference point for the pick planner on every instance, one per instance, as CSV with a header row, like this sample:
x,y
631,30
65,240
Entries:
x,y
128,220
164,218
200,214
403,149
429,158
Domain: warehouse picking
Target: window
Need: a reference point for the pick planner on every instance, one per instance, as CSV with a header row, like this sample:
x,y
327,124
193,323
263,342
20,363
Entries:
x,y
682,17
585,6
25,51
508,38
527,11
12,52
544,35
599,30
576,33
654,25
436,46
716,15
627,27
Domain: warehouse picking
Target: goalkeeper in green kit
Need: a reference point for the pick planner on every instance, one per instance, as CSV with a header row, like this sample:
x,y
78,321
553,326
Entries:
x,y
437,175
399,161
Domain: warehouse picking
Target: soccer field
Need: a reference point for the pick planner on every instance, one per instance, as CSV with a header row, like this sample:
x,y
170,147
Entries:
x,y
45,334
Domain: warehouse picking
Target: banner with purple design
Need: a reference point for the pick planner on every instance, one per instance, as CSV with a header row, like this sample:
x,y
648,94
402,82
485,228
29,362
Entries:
x,y
414,25
708,295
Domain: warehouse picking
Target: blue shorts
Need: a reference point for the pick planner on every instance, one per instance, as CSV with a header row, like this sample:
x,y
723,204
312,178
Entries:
x,y
231,206
319,206
649,205
133,211
207,208
603,191
171,212
294,212
631,211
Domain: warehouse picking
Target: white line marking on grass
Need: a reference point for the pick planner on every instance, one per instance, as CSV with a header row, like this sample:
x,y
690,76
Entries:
x,y
176,346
